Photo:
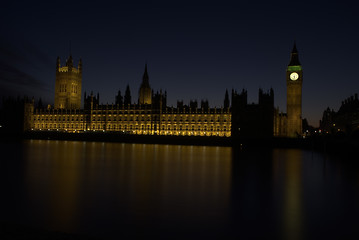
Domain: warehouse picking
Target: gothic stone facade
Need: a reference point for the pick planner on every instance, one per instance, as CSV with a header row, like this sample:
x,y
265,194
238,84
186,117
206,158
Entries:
x,y
68,85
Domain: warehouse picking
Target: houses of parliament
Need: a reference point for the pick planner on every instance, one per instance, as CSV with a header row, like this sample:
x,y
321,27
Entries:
x,y
150,115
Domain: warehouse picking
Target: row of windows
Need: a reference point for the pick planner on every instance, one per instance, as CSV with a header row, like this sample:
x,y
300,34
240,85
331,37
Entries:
x,y
130,127
149,119
63,87
164,113
163,127
118,118
115,127
58,126
194,117
59,118
74,88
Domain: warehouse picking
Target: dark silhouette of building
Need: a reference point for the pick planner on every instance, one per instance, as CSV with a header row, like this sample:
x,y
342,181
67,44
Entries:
x,y
344,121
252,120
226,100
119,99
91,101
16,114
127,98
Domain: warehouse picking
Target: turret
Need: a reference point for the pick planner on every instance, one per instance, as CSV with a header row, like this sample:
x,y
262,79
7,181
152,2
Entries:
x,y
80,66
127,98
119,98
226,100
58,64
70,63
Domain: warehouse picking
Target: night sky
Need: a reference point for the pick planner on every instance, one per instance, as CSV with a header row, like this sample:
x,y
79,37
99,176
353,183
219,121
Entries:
x,y
193,50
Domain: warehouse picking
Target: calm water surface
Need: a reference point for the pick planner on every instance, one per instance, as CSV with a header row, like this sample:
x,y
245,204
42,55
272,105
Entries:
x,y
111,190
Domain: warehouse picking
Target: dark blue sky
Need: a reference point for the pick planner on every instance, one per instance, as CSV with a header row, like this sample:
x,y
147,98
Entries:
x,y
193,50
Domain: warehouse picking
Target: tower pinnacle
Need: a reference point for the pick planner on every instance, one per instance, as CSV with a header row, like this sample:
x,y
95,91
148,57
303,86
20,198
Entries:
x,y
294,60
145,78
145,93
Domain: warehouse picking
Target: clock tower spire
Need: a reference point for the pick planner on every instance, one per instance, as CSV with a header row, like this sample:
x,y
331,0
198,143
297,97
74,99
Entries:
x,y
294,95
294,60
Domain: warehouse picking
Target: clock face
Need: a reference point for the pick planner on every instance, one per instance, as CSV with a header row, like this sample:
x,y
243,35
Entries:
x,y
294,76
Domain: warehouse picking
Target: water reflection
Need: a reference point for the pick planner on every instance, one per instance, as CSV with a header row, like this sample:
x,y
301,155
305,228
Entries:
x,y
287,165
116,190
134,185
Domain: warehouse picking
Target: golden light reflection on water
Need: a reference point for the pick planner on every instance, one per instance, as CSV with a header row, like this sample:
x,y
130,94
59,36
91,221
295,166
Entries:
x,y
101,187
287,165
53,180
67,178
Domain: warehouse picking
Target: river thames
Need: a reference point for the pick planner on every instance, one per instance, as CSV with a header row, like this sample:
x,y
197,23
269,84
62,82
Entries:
x,y
114,190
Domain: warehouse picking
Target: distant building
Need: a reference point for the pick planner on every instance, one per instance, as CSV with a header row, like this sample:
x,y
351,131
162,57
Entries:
x,y
152,116
345,120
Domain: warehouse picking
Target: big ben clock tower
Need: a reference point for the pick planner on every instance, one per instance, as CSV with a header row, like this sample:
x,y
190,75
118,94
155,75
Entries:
x,y
294,95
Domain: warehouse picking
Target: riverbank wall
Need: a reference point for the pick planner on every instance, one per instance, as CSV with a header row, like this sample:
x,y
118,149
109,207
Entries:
x,y
330,144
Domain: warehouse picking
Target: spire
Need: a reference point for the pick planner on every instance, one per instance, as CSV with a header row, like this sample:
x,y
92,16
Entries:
x,y
144,93
226,100
70,62
145,82
127,98
80,65
294,50
294,60
58,63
